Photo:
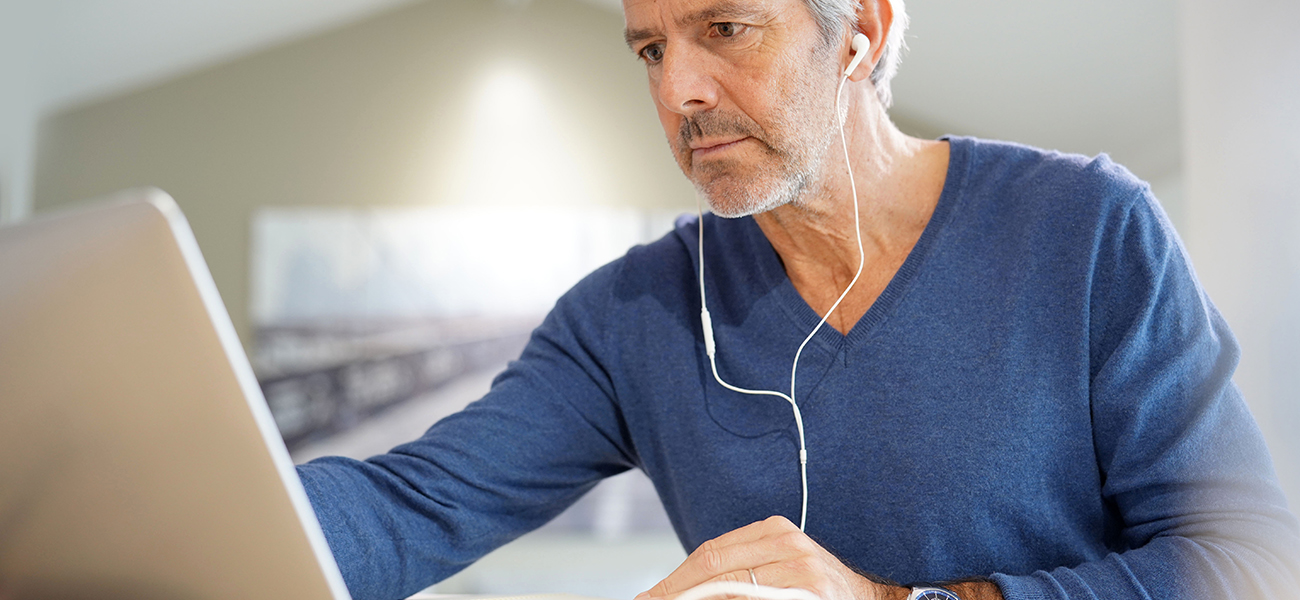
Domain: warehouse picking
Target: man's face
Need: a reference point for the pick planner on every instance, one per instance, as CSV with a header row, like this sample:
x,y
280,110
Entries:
x,y
745,90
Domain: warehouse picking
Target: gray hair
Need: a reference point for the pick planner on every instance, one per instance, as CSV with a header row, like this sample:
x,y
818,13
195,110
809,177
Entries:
x,y
833,16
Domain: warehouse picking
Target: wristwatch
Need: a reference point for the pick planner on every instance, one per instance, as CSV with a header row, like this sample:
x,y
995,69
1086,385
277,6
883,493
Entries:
x,y
929,593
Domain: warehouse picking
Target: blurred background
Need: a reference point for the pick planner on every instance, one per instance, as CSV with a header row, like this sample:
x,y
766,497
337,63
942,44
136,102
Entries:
x,y
344,163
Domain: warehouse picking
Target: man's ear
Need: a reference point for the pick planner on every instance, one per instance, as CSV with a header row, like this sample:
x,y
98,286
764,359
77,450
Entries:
x,y
874,20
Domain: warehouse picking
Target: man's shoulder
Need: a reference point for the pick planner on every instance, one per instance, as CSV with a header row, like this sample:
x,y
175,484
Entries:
x,y
1014,166
1008,177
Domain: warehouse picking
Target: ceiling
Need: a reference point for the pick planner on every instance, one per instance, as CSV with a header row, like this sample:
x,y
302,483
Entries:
x,y
1083,77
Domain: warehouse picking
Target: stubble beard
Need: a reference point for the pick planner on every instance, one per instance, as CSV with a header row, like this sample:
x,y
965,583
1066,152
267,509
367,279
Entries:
x,y
793,143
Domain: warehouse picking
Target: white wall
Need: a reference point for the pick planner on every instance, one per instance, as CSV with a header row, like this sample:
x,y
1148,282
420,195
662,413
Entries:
x,y
18,110
1241,122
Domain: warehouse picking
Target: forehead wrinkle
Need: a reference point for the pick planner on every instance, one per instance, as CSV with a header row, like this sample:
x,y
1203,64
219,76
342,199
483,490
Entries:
x,y
722,10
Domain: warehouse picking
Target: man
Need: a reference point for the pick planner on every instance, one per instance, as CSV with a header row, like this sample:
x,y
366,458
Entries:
x,y
1025,394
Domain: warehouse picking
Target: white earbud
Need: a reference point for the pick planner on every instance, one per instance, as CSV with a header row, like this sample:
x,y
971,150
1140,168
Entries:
x,y
861,44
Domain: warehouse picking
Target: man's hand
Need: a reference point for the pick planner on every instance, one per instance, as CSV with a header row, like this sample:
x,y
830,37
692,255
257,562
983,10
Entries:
x,y
780,556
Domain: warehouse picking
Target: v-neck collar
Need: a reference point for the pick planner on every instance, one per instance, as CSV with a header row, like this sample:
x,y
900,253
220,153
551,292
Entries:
x,y
774,277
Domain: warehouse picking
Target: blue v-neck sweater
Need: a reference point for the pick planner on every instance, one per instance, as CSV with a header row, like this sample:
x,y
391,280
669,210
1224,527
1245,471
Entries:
x,y
1042,394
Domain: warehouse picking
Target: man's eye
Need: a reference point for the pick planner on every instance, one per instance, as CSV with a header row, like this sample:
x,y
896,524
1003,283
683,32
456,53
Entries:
x,y
653,53
728,29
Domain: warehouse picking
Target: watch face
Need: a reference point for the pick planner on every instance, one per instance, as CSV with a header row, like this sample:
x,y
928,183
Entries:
x,y
935,594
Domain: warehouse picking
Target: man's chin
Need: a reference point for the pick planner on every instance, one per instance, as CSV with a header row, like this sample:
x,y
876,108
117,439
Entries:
x,y
734,214
730,209
733,204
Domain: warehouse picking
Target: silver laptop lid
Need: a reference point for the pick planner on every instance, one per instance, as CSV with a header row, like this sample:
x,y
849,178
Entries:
x,y
137,456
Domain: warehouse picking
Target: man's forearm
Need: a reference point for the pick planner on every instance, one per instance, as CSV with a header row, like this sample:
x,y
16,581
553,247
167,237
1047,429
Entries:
x,y
973,588
976,590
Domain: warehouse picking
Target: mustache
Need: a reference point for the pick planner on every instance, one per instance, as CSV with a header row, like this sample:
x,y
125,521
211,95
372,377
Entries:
x,y
712,123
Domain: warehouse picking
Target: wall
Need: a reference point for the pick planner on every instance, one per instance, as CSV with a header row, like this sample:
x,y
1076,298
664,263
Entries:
x,y
18,108
1241,96
376,113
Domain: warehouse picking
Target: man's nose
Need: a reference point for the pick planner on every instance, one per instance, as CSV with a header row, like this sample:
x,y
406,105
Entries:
x,y
686,85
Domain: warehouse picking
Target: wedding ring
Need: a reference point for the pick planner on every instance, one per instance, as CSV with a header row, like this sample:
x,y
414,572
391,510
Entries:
x,y
752,578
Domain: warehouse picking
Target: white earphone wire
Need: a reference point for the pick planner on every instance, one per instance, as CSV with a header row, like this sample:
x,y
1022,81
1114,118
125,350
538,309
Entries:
x,y
707,322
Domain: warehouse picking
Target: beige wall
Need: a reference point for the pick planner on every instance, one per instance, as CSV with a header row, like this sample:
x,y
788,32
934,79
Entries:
x,y
371,114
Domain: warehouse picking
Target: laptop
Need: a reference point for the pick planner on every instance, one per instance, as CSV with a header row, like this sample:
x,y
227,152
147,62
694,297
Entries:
x,y
138,458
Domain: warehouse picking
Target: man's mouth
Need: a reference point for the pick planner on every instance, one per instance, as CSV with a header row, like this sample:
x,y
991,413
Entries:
x,y
705,148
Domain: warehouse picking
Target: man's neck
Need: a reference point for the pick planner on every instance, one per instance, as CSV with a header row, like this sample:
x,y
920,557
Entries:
x,y
899,180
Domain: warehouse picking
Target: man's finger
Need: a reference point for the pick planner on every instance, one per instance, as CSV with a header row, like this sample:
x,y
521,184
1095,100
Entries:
x,y
762,545
733,576
783,574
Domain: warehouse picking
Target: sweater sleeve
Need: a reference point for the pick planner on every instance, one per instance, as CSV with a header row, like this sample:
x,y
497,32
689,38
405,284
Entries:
x,y
544,434
1183,463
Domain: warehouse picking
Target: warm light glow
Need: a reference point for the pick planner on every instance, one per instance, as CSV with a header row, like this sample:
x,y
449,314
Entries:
x,y
518,150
